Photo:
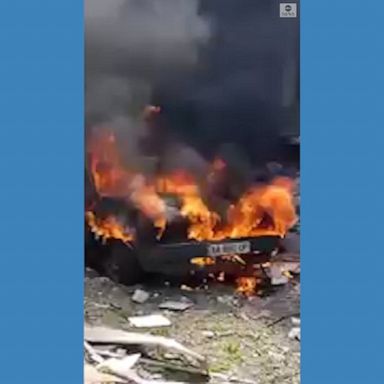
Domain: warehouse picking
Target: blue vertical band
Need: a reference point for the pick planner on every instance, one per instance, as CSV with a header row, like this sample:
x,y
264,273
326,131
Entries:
x,y
342,88
41,191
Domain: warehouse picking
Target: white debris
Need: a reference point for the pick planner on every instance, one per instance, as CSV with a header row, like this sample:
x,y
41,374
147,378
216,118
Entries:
x,y
295,321
105,335
291,266
171,356
295,333
208,334
176,305
122,366
150,321
140,296
184,287
281,280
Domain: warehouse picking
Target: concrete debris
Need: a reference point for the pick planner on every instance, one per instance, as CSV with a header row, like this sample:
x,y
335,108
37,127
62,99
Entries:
x,y
208,334
277,275
293,267
101,306
140,296
115,367
92,354
110,351
104,335
171,356
295,321
184,287
281,280
150,321
275,270
178,306
121,366
295,333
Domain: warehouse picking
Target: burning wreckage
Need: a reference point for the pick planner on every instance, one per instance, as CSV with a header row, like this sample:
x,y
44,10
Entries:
x,y
177,221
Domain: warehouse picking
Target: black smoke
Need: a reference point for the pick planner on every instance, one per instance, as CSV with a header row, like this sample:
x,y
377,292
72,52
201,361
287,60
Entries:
x,y
246,88
225,73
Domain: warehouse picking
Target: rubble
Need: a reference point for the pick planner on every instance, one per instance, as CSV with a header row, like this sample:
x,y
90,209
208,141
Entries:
x,y
150,321
176,305
140,296
295,333
208,334
118,369
121,366
209,328
281,272
295,321
104,335
279,280
243,337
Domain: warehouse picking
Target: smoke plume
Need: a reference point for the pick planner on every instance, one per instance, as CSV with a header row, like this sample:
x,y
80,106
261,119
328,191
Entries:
x,y
224,71
247,89
132,43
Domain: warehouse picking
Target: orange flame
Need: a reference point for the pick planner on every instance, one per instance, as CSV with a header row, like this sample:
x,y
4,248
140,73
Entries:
x,y
246,218
246,285
108,228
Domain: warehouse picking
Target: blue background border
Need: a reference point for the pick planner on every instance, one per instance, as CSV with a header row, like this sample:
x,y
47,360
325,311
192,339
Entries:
x,y
41,191
342,131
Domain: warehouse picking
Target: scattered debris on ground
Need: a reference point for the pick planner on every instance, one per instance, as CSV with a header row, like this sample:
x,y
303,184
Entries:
x,y
150,321
250,340
176,305
113,364
140,296
294,333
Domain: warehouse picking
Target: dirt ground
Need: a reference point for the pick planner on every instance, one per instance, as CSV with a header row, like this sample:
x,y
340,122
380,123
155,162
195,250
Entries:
x,y
242,337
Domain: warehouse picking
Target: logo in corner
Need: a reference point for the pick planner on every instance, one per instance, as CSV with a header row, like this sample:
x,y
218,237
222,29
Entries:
x,y
288,10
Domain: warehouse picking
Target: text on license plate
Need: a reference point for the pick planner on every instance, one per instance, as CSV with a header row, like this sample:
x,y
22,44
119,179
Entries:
x,y
229,248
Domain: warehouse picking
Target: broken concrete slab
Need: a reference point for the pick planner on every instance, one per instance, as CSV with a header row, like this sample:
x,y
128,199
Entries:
x,y
105,335
140,296
122,366
178,306
279,280
208,334
150,321
277,275
295,321
295,333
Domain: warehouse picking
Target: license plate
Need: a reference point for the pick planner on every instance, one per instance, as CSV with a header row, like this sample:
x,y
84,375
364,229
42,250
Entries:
x,y
229,248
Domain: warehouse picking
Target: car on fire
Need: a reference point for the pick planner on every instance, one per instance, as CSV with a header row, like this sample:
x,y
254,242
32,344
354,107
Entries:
x,y
222,218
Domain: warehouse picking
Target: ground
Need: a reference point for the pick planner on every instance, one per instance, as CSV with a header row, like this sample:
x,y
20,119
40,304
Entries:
x,y
246,337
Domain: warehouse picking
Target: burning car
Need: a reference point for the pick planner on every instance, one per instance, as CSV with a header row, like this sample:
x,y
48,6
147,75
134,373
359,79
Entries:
x,y
178,221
